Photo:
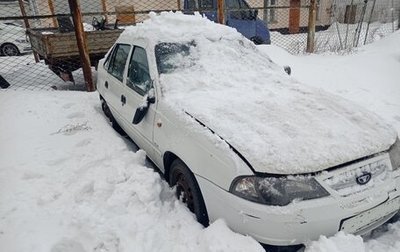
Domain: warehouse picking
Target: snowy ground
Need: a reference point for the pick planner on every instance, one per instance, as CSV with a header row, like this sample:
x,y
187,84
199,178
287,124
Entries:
x,y
69,183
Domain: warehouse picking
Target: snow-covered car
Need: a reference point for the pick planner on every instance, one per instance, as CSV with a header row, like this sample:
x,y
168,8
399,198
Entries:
x,y
13,40
241,140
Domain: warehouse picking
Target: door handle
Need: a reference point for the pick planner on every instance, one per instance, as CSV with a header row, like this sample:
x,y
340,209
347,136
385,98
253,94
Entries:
x,y
123,99
106,84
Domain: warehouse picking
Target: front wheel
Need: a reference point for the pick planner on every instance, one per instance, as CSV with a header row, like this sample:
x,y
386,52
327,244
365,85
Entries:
x,y
188,191
9,50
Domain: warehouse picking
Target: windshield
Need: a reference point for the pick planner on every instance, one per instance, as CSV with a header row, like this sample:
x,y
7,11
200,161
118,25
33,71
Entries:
x,y
172,56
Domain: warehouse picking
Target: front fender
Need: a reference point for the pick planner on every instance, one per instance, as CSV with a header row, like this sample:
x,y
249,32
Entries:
x,y
205,153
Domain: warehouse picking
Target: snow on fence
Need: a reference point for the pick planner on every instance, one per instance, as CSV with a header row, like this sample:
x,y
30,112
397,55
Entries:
x,y
39,40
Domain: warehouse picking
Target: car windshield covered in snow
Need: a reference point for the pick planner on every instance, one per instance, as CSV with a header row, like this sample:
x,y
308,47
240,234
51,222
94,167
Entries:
x,y
172,56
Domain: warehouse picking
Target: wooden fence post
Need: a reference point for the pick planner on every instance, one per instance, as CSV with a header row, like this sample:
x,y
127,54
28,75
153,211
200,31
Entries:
x,y
82,44
220,10
27,25
311,26
52,12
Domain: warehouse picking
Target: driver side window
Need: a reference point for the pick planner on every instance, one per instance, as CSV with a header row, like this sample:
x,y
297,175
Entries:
x,y
138,75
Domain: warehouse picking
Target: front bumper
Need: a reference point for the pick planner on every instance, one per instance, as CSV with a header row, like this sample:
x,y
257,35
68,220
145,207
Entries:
x,y
305,220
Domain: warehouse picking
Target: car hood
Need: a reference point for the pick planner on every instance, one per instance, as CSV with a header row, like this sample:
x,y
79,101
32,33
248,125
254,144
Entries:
x,y
285,127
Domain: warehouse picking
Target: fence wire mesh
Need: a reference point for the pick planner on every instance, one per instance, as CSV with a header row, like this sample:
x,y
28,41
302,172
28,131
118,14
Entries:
x,y
358,22
38,43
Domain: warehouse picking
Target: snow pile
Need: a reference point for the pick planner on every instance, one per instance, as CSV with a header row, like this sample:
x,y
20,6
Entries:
x,y
278,124
69,183
341,242
177,27
383,239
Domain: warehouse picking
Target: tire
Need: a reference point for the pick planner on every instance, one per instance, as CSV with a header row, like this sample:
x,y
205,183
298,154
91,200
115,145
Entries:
x,y
188,191
108,114
257,40
9,50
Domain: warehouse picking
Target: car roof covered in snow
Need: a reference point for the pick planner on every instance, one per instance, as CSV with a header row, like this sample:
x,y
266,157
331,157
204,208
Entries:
x,y
177,27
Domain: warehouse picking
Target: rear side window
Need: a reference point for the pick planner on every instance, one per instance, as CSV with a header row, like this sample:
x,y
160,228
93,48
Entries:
x,y
116,65
138,74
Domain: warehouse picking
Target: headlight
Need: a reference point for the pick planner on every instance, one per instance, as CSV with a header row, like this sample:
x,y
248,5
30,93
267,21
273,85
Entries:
x,y
394,154
277,191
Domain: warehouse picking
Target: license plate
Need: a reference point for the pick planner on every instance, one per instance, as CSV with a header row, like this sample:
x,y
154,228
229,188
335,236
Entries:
x,y
368,218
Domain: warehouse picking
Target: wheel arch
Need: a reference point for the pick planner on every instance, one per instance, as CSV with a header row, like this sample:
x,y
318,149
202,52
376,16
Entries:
x,y
168,158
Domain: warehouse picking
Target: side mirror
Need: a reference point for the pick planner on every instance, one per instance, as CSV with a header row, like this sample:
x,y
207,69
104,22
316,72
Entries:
x,y
142,110
288,70
140,113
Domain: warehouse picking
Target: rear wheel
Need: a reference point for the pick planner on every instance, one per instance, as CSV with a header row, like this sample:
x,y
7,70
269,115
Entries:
x,y
9,50
109,115
187,190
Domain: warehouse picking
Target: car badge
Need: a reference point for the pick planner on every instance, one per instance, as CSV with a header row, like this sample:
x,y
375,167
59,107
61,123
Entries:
x,y
363,179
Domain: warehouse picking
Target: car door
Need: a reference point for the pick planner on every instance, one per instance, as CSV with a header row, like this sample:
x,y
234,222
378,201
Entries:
x,y
113,82
139,86
239,17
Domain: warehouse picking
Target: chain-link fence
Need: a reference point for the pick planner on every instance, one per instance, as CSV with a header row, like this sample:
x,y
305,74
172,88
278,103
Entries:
x,y
39,42
358,22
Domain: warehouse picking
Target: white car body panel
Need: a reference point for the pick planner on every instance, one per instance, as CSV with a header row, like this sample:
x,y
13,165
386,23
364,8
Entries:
x,y
215,164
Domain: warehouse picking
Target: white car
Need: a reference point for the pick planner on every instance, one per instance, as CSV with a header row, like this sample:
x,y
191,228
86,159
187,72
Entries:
x,y
243,141
13,40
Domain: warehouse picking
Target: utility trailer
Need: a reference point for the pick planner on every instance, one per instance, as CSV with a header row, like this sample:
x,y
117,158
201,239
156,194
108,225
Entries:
x,y
60,51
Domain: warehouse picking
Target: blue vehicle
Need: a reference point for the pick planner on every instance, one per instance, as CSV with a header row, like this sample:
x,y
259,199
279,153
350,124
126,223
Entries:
x,y
239,15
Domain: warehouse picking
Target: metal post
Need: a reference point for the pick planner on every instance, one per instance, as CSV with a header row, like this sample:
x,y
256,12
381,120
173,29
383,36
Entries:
x,y
337,28
348,23
312,15
104,9
52,12
369,21
398,21
220,9
27,25
360,24
74,6
265,11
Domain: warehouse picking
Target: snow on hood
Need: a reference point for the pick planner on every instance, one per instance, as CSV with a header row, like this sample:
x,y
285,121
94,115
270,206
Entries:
x,y
278,124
